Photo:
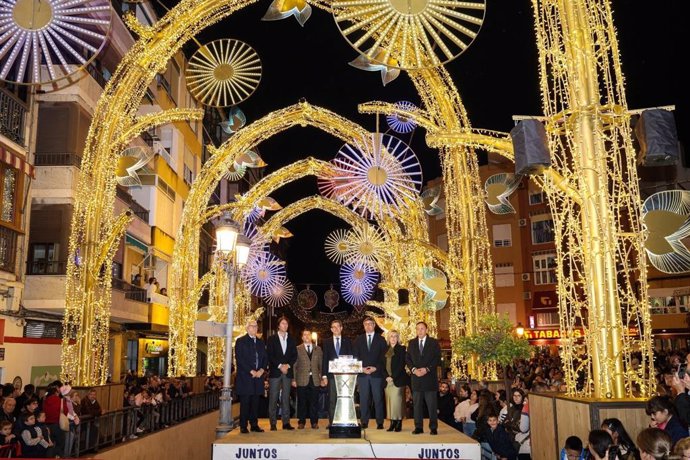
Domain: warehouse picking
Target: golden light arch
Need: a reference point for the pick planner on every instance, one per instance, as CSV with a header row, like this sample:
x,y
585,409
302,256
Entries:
x,y
96,230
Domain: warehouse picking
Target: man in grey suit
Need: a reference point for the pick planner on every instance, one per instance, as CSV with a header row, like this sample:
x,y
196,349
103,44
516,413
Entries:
x,y
423,358
307,380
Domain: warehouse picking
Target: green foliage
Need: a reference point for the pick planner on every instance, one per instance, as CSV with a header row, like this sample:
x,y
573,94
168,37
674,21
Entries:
x,y
496,341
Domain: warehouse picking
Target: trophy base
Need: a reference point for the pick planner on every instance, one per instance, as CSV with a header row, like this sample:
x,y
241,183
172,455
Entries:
x,y
345,431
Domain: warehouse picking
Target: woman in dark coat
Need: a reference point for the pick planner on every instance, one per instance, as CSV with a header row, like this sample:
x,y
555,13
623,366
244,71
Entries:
x,y
396,381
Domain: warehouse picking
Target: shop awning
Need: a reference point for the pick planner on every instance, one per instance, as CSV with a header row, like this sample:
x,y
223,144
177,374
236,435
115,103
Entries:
x,y
131,241
17,162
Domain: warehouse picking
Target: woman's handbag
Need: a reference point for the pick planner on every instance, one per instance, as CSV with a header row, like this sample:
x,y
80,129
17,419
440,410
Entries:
x,y
64,421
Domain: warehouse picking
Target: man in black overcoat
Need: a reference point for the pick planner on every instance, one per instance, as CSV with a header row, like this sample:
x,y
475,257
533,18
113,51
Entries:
x,y
423,358
252,361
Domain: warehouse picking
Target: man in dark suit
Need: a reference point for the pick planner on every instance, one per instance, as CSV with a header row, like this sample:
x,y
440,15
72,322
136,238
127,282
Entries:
x,y
251,359
370,348
282,354
307,379
423,358
333,348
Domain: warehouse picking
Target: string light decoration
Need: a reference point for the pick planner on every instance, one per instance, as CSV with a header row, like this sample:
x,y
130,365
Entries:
x,y
365,245
665,216
402,124
377,173
307,298
331,298
38,34
358,282
223,73
416,33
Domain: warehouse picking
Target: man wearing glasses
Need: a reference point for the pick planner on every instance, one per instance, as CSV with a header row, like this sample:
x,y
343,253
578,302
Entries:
x,y
251,358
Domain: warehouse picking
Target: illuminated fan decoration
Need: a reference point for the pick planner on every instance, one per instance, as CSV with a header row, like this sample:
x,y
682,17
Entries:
x,y
365,245
430,199
358,282
434,284
235,172
498,189
282,232
269,204
254,215
381,171
418,33
129,162
389,70
223,73
307,299
250,159
59,36
336,246
279,294
666,215
262,272
282,9
399,123
331,298
236,120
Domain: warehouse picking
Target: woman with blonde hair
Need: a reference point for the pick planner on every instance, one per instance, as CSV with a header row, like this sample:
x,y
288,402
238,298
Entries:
x,y
396,380
655,444
682,449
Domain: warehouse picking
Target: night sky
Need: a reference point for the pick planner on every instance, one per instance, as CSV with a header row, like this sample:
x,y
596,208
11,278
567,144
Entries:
x,y
497,78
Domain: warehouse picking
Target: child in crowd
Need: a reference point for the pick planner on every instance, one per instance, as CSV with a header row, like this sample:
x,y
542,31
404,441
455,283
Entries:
x,y
573,449
34,443
6,434
41,423
499,439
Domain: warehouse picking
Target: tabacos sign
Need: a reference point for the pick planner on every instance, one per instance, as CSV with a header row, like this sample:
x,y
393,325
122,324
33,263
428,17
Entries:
x,y
553,334
155,347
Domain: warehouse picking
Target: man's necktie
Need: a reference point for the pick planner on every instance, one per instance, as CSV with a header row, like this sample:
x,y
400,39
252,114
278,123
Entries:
x,y
256,355
337,346
309,350
369,342
421,347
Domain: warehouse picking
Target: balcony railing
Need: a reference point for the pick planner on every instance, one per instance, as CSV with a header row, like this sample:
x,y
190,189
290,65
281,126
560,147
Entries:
x,y
147,138
8,249
93,434
12,117
131,292
46,267
58,159
96,75
139,211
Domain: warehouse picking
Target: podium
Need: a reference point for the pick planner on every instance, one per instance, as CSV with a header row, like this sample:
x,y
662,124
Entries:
x,y
345,424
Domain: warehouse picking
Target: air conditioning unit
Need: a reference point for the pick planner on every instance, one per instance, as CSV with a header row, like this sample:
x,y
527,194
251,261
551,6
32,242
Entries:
x,y
525,277
527,295
522,222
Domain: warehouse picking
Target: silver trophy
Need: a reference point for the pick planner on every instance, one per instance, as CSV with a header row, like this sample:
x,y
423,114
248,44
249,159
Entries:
x,y
345,370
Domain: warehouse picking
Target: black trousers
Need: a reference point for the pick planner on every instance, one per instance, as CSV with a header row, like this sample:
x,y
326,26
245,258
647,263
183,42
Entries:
x,y
249,410
332,398
370,388
418,400
307,403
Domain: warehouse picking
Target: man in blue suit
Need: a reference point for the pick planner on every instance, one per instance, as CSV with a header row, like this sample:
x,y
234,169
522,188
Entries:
x,y
333,348
252,361
371,348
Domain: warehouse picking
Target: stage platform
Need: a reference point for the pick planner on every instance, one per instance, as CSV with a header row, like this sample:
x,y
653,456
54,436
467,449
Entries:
x,y
308,444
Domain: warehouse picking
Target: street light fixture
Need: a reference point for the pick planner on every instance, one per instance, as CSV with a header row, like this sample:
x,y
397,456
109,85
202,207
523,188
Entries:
x,y
233,248
520,330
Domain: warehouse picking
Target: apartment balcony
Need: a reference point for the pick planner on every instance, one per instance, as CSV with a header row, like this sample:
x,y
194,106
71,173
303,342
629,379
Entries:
x,y
57,174
12,118
83,87
8,249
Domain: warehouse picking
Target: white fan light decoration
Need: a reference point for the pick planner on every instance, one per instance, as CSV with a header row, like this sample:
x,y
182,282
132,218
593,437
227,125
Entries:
x,y
61,36
280,294
336,246
262,272
376,175
358,282
399,123
364,246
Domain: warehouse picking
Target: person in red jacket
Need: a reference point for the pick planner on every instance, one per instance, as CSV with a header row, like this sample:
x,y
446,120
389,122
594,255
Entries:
x,y
52,405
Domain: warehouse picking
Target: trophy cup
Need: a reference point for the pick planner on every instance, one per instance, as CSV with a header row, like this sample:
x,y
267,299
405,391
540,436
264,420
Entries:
x,y
345,370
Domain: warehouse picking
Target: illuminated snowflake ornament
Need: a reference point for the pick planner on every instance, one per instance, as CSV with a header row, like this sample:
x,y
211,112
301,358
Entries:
x,y
358,282
59,37
262,272
236,120
280,294
498,189
389,71
399,123
377,174
336,246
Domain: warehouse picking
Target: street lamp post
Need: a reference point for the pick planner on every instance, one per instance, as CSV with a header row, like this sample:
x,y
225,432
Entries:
x,y
234,248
